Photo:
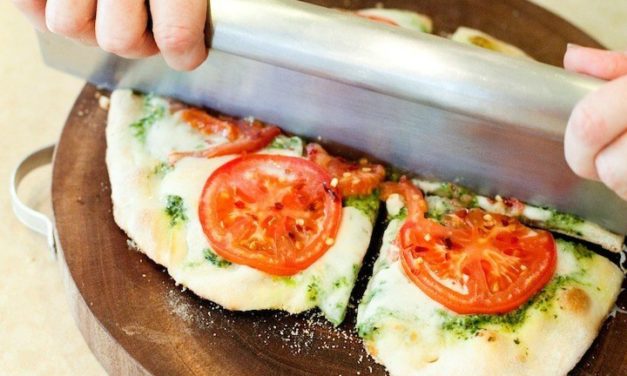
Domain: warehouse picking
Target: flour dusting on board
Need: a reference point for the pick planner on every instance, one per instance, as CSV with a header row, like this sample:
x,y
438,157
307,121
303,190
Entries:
x,y
310,333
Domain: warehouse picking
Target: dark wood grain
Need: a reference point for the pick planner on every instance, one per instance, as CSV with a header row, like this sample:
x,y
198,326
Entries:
x,y
137,321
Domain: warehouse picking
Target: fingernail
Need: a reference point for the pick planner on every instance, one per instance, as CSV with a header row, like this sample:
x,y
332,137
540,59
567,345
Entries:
x,y
572,46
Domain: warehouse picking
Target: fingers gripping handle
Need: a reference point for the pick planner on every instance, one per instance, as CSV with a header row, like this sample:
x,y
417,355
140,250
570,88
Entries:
x,y
31,218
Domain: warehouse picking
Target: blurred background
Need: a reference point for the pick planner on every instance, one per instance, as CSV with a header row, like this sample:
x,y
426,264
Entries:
x,y
37,332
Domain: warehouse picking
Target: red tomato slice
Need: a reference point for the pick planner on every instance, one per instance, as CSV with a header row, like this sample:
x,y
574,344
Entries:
x,y
243,136
379,19
412,197
208,124
274,213
474,262
353,178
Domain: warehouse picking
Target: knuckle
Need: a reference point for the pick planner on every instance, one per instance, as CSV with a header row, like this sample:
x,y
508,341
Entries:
x,y
174,38
588,125
117,44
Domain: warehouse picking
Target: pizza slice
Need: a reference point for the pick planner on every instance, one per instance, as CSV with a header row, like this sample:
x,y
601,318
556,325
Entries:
x,y
238,212
458,290
398,17
478,38
446,197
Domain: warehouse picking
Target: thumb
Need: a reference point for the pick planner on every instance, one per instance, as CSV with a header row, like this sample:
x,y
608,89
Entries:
x,y
603,64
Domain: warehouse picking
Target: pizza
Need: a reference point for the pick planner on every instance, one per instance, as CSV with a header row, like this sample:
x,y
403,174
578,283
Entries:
x,y
398,17
238,212
253,219
462,285
420,22
478,38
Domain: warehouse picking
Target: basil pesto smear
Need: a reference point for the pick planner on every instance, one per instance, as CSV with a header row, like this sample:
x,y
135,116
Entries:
x,y
282,142
288,280
313,289
369,329
564,221
342,282
401,215
467,326
368,204
216,260
580,251
356,269
162,168
465,196
153,111
175,209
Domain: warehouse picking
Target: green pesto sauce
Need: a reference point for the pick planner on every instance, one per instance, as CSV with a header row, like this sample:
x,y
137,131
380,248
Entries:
x,y
356,269
175,210
161,169
367,330
439,207
370,293
467,326
312,290
290,281
153,111
216,260
401,215
465,196
578,250
341,282
369,204
563,221
282,142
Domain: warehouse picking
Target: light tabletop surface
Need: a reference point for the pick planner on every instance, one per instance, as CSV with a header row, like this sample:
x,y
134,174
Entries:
x,y
37,332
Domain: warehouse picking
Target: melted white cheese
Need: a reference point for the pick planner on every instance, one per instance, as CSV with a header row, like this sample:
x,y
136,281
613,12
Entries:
x,y
403,327
478,38
170,134
140,195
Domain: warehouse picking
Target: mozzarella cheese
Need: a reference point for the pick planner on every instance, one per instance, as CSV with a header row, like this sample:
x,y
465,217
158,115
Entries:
x,y
140,134
403,18
478,38
411,334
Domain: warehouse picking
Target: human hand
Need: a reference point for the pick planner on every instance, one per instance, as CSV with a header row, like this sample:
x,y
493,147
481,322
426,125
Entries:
x,y
122,27
596,136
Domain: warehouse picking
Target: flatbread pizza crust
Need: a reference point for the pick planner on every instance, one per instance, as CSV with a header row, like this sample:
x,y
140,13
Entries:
x,y
411,334
139,193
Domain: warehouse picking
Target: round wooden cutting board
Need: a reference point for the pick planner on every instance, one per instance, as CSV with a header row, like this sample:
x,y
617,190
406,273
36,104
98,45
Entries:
x,y
137,321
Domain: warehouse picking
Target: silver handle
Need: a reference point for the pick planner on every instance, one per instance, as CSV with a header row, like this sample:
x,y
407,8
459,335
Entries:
x,y
31,218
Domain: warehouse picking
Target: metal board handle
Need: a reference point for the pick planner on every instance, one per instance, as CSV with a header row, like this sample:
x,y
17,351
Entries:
x,y
31,218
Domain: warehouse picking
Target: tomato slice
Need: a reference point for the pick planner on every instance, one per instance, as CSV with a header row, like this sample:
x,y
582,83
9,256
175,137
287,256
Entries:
x,y
274,213
352,178
208,124
473,262
379,19
243,136
412,197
